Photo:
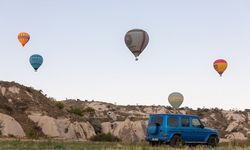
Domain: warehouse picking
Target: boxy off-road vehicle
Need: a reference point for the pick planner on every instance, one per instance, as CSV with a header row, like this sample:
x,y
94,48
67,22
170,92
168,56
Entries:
x,y
178,129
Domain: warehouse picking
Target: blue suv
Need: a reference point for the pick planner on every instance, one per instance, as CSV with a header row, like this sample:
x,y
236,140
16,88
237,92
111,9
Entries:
x,y
178,129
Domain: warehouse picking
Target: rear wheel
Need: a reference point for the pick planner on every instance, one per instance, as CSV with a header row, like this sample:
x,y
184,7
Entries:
x,y
213,141
154,143
192,144
176,141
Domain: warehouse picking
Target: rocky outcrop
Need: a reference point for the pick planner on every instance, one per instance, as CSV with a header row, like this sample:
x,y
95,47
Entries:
x,y
3,90
98,106
63,128
234,116
10,127
127,131
232,126
14,90
236,136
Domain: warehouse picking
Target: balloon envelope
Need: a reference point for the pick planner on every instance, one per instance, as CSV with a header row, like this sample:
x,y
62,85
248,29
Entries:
x,y
23,38
220,65
36,61
175,99
136,40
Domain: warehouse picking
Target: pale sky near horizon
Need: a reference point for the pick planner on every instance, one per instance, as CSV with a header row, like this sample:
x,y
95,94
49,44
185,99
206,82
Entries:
x,y
85,56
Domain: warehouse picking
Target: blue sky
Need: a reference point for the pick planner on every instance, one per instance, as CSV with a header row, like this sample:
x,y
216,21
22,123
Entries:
x,y
85,56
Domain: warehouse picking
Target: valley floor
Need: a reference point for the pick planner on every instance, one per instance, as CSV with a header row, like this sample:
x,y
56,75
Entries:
x,y
69,145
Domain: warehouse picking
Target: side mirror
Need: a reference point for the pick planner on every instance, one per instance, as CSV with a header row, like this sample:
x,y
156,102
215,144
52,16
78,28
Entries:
x,y
202,126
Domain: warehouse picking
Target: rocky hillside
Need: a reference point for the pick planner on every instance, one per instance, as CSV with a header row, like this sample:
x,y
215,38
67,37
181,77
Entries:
x,y
28,113
25,112
129,122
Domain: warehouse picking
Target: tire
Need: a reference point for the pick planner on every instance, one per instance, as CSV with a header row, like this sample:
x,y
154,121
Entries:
x,y
176,141
153,143
213,141
153,130
192,145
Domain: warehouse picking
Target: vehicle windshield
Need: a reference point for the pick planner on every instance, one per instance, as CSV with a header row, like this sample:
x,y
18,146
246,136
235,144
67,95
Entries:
x,y
155,120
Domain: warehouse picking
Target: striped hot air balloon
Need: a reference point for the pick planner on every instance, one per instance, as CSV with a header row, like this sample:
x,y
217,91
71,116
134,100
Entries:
x,y
220,65
23,38
136,40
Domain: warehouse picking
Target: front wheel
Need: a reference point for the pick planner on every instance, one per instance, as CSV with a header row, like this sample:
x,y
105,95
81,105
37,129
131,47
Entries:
x,y
176,141
213,141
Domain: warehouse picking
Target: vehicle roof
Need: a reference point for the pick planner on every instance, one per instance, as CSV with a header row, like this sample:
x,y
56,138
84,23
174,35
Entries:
x,y
189,115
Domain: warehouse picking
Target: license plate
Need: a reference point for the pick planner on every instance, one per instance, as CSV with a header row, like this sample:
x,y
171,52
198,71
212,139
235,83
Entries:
x,y
155,139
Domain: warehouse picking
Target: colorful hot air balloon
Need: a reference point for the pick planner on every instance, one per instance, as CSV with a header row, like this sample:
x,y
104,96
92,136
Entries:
x,y
220,66
36,61
175,99
23,38
136,40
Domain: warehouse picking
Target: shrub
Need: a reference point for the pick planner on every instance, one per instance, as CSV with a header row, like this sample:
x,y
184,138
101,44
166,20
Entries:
x,y
76,111
8,108
11,135
105,138
1,126
31,134
34,132
60,105
96,123
52,99
89,111
29,90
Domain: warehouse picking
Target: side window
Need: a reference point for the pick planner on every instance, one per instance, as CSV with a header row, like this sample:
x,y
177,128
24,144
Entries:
x,y
196,122
156,120
185,121
173,122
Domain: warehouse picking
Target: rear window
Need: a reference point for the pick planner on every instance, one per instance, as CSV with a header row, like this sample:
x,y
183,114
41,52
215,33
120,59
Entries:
x,y
173,122
185,121
155,120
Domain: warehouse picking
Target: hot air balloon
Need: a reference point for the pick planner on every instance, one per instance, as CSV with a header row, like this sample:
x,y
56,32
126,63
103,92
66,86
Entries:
x,y
23,38
36,61
220,66
175,99
136,40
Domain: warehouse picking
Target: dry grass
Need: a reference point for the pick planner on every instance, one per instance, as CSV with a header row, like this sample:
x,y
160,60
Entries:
x,y
69,145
